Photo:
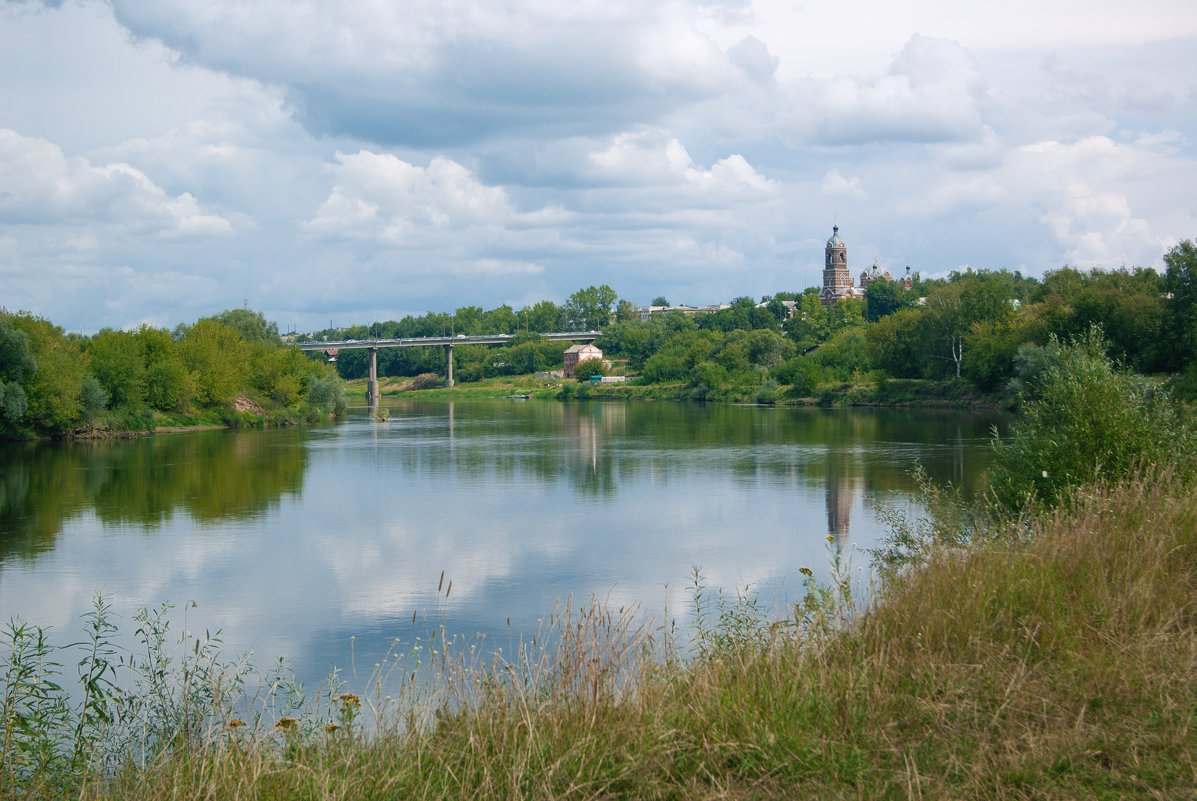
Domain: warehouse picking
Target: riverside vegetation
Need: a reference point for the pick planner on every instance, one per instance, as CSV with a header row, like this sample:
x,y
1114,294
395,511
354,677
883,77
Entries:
x,y
1038,642
229,370
962,340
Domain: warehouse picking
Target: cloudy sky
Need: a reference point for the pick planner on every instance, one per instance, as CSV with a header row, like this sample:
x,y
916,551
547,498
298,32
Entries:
x,y
161,160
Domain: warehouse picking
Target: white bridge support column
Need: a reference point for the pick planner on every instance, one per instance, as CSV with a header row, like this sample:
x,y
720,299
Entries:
x,y
373,396
448,365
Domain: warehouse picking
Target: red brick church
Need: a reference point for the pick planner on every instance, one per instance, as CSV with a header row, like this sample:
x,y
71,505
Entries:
x,y
837,281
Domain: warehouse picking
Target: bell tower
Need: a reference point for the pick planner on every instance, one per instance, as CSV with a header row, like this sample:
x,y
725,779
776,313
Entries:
x,y
837,281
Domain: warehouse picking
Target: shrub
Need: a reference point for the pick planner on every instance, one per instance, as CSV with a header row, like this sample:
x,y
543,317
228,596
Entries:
x,y
425,381
584,369
1084,417
328,395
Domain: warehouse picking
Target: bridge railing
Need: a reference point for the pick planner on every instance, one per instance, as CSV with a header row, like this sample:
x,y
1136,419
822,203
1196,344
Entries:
x,y
458,339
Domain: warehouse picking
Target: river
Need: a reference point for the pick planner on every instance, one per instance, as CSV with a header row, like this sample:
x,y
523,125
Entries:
x,y
320,543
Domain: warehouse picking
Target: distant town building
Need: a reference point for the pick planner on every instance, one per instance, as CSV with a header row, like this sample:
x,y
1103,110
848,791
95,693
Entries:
x,y
837,281
790,307
645,312
579,353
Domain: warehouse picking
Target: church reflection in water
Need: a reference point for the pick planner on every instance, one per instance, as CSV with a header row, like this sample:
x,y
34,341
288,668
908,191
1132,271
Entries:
x,y
839,494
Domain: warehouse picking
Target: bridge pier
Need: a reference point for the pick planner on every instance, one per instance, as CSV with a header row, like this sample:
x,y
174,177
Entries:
x,y
448,365
373,396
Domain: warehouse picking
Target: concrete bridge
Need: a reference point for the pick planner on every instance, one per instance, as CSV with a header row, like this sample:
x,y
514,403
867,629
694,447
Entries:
x,y
373,395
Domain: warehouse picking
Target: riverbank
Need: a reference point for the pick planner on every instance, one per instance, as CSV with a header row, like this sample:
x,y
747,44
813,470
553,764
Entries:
x,y
1052,658
242,413
865,392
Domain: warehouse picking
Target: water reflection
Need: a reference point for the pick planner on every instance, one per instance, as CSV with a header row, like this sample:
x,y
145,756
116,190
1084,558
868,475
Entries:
x,y
295,540
211,477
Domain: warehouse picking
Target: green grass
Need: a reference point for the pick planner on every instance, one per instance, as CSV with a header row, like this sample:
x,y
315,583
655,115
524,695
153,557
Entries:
x,y
866,392
1050,657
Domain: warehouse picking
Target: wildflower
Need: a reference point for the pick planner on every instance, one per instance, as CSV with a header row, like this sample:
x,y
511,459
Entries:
x,y
1045,474
286,724
236,723
350,700
831,538
806,571
331,727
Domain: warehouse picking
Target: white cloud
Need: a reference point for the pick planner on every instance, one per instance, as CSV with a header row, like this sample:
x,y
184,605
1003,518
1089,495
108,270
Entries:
x,y
931,93
752,56
382,197
836,185
660,165
304,157
43,186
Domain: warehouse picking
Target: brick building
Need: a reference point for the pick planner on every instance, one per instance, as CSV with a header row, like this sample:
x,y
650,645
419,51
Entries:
x,y
579,353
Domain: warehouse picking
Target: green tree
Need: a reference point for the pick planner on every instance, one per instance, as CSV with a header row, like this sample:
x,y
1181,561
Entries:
x,y
632,340
16,362
117,361
954,308
767,348
659,300
215,355
845,313
1180,281
898,343
811,324
543,318
883,298
54,391
470,320
251,325
591,308
168,384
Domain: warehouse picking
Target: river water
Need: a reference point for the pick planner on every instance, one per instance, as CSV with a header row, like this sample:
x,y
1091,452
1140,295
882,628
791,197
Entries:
x,y
320,543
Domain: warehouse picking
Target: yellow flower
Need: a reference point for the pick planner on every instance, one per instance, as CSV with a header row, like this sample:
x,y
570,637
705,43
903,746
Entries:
x,y
831,538
286,723
236,722
330,728
350,700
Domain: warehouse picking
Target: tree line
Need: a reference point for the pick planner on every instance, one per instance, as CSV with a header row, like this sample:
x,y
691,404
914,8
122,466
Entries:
x,y
987,328
981,327
53,382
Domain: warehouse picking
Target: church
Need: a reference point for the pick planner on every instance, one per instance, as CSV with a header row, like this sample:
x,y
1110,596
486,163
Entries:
x,y
837,281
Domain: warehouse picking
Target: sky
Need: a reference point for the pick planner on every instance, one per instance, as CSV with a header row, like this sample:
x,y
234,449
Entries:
x,y
350,162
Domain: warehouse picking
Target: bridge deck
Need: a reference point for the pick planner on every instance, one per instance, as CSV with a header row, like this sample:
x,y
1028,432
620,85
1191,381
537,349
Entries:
x,y
459,339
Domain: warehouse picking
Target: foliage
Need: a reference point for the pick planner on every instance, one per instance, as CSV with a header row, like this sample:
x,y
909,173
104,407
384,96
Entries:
x,y
883,298
119,380
251,325
591,308
327,395
845,353
586,368
1180,281
54,390
899,343
955,308
1085,418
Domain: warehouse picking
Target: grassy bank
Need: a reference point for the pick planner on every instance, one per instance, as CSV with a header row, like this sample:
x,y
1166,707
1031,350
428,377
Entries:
x,y
1052,658
865,392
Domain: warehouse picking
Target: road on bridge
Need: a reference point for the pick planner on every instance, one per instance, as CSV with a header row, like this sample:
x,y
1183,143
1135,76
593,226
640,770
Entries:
x,y
372,394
